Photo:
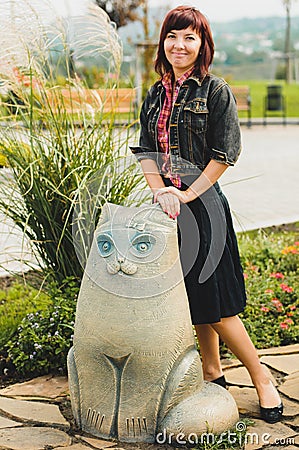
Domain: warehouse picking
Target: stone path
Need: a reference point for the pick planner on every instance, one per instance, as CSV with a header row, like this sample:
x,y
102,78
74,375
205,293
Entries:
x,y
36,415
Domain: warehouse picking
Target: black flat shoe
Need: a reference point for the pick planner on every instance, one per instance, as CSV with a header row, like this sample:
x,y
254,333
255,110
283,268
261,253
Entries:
x,y
272,415
221,381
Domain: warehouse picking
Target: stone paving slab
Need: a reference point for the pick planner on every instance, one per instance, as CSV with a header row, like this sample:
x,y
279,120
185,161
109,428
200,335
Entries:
x,y
282,363
47,387
264,434
33,438
293,422
248,404
290,387
97,443
290,408
246,399
286,350
74,447
8,423
33,411
230,363
284,447
239,376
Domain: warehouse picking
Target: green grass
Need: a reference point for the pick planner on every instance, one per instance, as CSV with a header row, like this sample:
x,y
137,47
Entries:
x,y
15,302
258,90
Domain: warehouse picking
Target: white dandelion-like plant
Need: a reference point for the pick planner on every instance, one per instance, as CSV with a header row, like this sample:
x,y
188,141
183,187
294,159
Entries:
x,y
32,33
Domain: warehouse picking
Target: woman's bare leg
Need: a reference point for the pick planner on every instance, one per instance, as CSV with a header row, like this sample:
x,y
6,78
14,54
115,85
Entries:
x,y
233,333
208,340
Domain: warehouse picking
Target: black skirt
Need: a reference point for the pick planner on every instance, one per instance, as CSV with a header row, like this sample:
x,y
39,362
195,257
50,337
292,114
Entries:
x,y
210,258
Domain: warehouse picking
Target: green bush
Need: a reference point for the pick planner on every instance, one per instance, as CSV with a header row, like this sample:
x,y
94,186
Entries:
x,y
15,302
44,338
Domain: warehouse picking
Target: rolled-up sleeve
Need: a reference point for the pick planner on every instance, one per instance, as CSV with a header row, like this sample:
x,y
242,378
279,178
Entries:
x,y
224,135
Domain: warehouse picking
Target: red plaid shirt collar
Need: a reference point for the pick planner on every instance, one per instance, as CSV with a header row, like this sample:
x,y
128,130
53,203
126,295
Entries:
x,y
163,129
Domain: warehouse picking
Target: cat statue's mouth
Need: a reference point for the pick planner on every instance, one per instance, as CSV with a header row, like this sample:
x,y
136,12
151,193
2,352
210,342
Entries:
x,y
126,267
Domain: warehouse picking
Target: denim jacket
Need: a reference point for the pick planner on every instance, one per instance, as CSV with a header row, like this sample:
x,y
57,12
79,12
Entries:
x,y
203,125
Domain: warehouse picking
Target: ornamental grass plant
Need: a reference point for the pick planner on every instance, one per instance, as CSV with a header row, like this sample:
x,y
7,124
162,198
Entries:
x,y
54,148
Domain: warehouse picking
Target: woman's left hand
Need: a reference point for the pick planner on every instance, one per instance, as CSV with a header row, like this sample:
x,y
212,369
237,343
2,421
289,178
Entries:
x,y
181,195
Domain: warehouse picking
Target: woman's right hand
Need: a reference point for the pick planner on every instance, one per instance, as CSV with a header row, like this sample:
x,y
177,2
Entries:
x,y
169,203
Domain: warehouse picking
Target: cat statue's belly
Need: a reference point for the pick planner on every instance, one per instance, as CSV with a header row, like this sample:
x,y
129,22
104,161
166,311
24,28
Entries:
x,y
134,371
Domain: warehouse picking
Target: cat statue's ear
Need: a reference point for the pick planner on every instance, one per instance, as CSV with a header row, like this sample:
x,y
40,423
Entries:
x,y
106,212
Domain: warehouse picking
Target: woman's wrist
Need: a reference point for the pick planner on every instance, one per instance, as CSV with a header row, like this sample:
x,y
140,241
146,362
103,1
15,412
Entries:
x,y
189,195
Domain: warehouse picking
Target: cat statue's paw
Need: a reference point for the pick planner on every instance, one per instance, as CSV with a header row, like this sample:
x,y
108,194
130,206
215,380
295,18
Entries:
x,y
209,410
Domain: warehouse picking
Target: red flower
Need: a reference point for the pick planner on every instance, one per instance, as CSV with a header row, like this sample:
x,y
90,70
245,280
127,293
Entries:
x,y
245,276
286,288
292,307
277,275
296,243
289,321
284,325
265,309
277,304
269,291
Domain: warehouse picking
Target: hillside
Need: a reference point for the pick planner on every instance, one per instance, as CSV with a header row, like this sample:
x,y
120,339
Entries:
x,y
244,47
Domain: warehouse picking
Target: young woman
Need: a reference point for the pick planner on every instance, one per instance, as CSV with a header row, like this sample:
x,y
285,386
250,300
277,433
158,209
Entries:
x,y
189,119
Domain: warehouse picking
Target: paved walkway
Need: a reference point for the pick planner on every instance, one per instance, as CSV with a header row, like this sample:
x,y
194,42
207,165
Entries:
x,y
263,187
36,415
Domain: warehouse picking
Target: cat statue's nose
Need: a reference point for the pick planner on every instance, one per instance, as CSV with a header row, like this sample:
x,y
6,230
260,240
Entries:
x,y
120,258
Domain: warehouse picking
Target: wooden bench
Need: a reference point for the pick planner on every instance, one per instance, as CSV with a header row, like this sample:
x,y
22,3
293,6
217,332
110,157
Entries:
x,y
243,99
73,100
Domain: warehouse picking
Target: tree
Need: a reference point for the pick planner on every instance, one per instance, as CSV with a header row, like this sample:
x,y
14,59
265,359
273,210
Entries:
x,y
287,4
120,11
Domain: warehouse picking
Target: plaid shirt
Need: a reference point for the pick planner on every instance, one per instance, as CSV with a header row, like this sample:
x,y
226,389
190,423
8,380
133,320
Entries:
x,y
163,129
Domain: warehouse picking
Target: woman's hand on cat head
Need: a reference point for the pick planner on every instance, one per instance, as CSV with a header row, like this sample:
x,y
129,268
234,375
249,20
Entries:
x,y
169,199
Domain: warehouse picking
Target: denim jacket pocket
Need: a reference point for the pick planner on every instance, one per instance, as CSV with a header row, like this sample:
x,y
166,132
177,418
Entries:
x,y
196,115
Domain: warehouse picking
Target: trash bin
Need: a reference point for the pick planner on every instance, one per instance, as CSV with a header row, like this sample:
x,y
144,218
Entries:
x,y
275,102
274,98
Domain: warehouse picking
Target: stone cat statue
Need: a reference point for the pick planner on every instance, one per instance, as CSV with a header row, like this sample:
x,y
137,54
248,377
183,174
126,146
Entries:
x,y
134,371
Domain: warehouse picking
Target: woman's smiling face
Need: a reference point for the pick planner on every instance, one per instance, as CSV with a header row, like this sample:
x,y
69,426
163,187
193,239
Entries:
x,y
181,49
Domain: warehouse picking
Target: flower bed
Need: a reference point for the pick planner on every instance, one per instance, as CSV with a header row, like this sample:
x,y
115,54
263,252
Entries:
x,y
270,262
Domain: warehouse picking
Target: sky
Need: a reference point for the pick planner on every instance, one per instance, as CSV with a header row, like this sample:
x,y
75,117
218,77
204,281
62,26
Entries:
x,y
215,10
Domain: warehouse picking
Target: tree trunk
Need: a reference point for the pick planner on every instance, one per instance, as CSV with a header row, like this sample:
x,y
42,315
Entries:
x,y
288,75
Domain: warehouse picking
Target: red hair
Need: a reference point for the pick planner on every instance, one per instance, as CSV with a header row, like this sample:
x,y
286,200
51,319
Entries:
x,y
181,18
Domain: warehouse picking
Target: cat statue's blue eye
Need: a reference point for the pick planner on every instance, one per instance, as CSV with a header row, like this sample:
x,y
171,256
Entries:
x,y
143,244
143,247
105,245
